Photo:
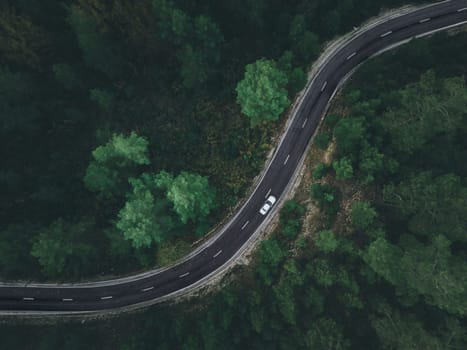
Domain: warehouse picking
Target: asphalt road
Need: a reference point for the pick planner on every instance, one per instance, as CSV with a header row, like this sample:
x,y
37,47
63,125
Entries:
x,y
152,286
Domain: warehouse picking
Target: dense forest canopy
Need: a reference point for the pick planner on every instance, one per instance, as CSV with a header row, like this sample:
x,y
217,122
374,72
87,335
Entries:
x,y
384,264
122,140
100,99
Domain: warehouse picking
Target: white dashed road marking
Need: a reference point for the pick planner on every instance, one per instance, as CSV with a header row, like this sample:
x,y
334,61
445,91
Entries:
x,y
67,299
287,159
386,34
147,289
184,275
28,299
245,225
217,254
324,86
107,297
351,55
303,125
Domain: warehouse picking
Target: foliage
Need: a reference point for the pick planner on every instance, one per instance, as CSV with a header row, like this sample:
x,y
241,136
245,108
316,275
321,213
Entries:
x,y
320,171
322,139
113,160
326,241
261,93
144,219
432,204
192,197
343,168
59,251
362,215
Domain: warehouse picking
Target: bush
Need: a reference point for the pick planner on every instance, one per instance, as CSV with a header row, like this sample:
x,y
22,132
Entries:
x,y
322,140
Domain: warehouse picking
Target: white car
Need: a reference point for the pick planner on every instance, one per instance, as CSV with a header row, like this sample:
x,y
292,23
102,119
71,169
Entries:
x,y
267,205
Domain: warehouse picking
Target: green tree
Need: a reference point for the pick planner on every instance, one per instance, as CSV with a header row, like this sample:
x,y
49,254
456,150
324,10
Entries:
x,y
103,98
261,93
98,52
22,42
325,333
174,24
61,251
371,163
320,171
145,219
362,215
113,163
297,80
326,241
15,250
15,89
322,139
67,76
396,330
305,44
349,133
343,168
433,204
123,150
191,196
432,271
428,108
270,255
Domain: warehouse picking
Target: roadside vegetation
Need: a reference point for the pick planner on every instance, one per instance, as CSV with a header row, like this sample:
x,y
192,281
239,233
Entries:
x,y
370,254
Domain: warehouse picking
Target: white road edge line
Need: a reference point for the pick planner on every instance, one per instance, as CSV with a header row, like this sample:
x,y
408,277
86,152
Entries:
x,y
351,55
287,159
386,34
28,299
303,125
67,299
147,289
439,29
107,297
217,254
184,275
324,86
424,20
245,224
462,9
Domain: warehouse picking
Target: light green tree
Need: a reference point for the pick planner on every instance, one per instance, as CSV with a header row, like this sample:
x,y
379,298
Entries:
x,y
262,93
343,168
326,241
192,197
112,162
145,219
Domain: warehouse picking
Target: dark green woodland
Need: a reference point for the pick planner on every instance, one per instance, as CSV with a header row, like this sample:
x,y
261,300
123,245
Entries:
x,y
128,129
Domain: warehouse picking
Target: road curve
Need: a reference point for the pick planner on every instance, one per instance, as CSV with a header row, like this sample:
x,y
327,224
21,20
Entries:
x,y
210,259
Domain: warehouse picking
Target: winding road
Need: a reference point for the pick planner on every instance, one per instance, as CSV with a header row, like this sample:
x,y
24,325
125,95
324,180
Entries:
x,y
220,251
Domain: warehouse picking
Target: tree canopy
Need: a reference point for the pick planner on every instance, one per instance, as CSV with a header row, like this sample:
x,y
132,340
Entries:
x,y
261,93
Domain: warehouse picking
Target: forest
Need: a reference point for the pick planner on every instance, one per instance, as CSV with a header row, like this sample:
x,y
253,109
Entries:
x,y
130,128
385,264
